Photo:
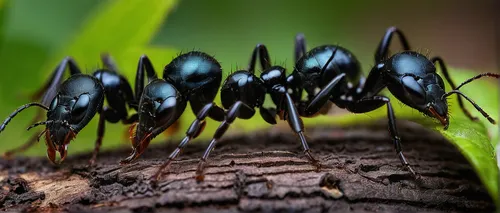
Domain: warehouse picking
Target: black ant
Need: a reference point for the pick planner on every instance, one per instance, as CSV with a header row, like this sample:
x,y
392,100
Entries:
x,y
192,77
410,76
241,93
72,103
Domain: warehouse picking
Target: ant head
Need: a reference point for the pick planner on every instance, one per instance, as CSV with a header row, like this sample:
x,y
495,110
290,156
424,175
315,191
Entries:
x,y
71,109
242,86
424,94
65,117
157,111
415,83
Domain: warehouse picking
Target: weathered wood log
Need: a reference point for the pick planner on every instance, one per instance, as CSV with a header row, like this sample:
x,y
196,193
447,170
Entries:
x,y
263,171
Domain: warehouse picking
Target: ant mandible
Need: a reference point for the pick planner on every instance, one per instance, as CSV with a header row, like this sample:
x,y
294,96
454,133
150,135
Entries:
x,y
72,103
192,77
241,93
410,76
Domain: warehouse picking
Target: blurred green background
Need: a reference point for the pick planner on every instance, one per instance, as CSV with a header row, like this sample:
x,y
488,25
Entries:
x,y
34,32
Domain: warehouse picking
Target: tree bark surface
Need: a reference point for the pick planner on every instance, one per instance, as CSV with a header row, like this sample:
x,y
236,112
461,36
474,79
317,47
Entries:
x,y
260,171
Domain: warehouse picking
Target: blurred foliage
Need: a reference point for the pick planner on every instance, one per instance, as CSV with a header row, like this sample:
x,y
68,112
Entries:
x,y
34,42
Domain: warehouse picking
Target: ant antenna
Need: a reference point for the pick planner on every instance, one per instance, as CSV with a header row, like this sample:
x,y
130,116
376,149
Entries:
x,y
18,110
40,123
488,74
472,102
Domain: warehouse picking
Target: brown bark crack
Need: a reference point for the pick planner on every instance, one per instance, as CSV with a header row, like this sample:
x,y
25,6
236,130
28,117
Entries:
x,y
260,172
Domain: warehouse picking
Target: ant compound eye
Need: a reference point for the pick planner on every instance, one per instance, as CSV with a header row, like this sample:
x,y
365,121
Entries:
x,y
80,108
413,88
54,103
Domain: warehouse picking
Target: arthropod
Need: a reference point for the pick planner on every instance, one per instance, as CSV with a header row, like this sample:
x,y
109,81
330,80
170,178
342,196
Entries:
x,y
192,77
241,93
72,103
410,76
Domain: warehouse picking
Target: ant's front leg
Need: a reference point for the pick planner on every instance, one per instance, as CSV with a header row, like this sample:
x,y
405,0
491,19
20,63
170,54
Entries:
x,y
369,104
49,89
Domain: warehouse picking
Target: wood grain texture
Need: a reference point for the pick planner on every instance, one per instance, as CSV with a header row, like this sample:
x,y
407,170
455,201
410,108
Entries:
x,y
264,171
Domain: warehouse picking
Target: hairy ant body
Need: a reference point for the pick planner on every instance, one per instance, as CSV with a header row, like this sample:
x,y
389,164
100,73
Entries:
x,y
241,93
411,77
72,103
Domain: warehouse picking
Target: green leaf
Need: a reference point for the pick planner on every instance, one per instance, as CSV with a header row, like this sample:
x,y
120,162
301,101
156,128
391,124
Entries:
x,y
114,27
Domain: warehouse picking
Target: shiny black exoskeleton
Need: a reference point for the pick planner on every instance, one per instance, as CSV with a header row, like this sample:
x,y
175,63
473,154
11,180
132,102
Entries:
x,y
241,93
72,103
411,77
193,77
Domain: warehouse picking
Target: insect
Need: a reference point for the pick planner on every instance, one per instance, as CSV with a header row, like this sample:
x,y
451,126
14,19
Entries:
x,y
242,92
192,77
410,76
72,103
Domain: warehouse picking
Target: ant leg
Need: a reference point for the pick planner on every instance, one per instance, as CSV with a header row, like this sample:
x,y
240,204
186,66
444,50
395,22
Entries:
x,y
107,114
439,61
297,126
317,101
32,141
374,83
144,65
108,62
52,84
194,130
383,47
372,103
100,134
214,112
56,76
320,99
238,109
265,60
131,119
268,114
300,46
